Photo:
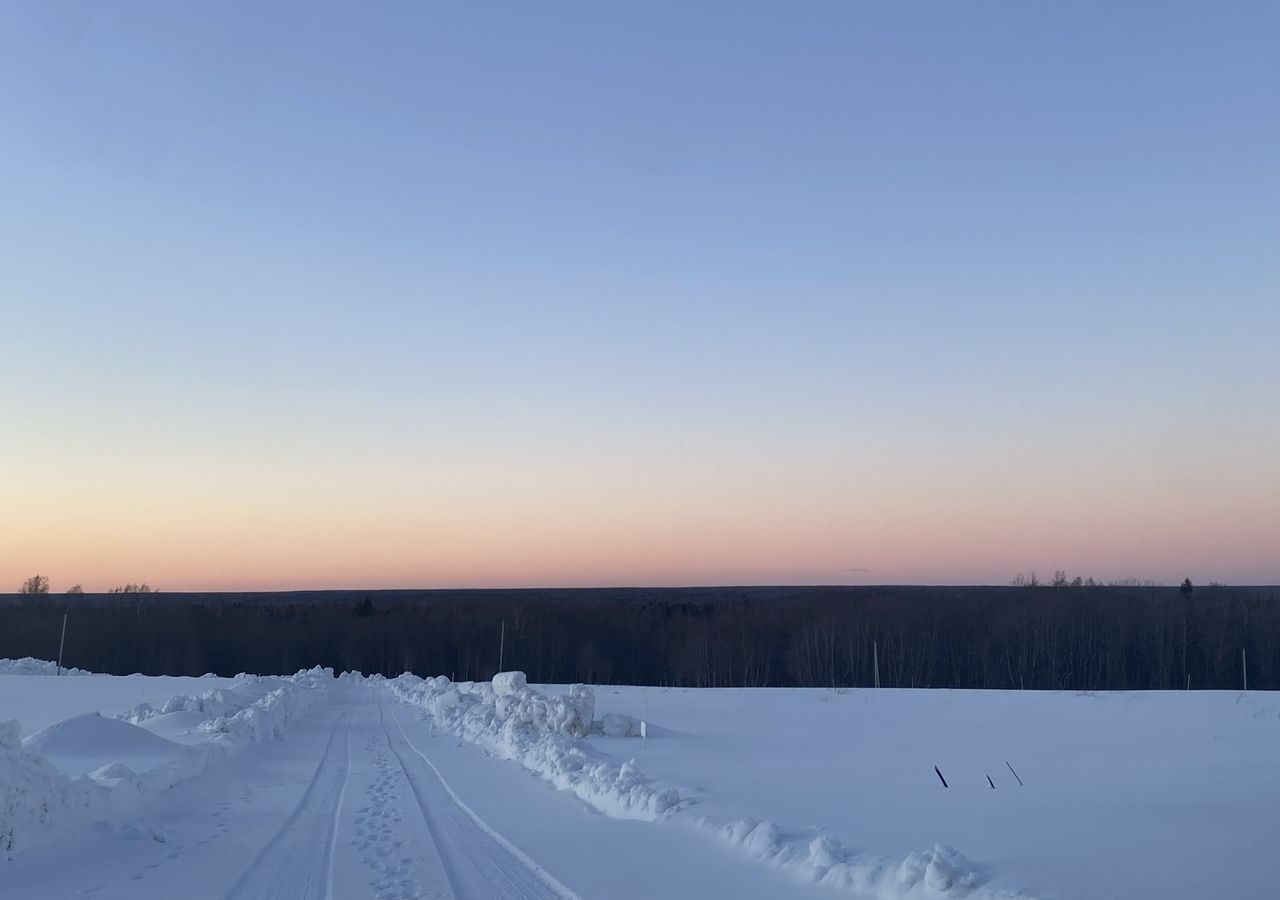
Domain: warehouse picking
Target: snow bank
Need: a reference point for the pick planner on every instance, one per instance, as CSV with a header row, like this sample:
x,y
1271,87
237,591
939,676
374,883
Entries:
x,y
258,707
941,872
29,665
36,797
542,733
217,702
267,718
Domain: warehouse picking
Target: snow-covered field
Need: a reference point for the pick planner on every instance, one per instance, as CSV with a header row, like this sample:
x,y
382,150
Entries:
x,y
1164,795
38,702
311,786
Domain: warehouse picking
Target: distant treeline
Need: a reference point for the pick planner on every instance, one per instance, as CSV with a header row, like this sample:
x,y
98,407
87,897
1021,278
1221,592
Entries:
x,y
1062,638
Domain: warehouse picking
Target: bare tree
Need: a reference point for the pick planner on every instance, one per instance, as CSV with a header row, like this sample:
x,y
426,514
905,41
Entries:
x,y
131,588
75,589
36,584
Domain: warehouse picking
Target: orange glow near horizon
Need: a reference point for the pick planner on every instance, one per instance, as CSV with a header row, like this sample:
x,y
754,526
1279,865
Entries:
x,y
307,530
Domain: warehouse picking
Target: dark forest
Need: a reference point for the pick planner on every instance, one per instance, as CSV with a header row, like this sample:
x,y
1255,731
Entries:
x,y
1049,638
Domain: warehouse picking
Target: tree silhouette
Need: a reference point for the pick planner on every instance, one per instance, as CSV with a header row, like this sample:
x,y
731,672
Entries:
x,y
36,584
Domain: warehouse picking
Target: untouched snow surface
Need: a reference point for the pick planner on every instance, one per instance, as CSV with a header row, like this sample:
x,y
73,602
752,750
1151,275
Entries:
x,y
409,788
1162,795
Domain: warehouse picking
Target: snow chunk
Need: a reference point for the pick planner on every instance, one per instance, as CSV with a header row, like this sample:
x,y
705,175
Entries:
x,y
505,684
619,725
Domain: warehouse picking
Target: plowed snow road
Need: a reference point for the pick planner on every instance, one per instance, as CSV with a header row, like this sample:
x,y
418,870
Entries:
x,y
377,820
362,801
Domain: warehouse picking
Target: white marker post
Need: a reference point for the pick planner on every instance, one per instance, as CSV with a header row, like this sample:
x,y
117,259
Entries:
x,y
62,642
644,719
875,658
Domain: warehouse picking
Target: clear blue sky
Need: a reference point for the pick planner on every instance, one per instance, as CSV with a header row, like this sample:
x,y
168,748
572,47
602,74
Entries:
x,y
418,294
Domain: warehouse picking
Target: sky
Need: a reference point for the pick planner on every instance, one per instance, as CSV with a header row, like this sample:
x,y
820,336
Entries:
x,y
301,295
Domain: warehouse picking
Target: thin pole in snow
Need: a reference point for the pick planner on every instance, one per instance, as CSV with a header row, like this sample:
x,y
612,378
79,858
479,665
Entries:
x,y
990,782
62,642
1015,774
1188,681
1244,668
502,644
875,658
940,778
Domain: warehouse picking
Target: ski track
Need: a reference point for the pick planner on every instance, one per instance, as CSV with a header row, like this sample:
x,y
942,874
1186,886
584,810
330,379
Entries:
x,y
298,861
479,863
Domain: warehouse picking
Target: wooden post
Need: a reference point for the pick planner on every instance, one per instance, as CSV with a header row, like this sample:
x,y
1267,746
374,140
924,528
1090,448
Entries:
x,y
875,658
502,644
1015,774
1244,668
62,642
940,778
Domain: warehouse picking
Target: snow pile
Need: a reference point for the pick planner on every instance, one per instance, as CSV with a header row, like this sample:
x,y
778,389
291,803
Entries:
x,y
512,720
941,872
267,718
122,762
258,709
93,741
218,702
29,665
35,796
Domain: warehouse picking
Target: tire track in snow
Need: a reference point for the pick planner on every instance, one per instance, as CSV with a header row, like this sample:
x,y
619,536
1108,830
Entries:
x,y
480,863
297,864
